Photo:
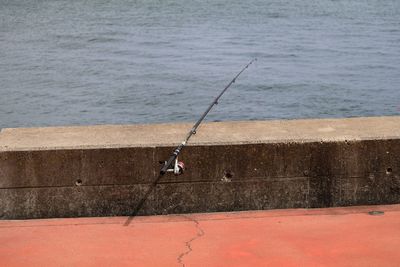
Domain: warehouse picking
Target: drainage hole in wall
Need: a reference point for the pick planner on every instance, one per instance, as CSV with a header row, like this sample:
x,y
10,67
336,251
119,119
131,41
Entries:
x,y
228,175
78,182
389,170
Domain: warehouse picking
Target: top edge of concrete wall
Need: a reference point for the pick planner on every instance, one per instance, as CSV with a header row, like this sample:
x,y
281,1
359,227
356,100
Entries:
x,y
212,133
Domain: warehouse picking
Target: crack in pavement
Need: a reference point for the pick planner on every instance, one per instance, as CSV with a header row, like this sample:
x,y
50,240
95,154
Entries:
x,y
200,233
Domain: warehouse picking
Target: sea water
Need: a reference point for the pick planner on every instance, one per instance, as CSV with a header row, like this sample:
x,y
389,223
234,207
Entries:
x,y
85,62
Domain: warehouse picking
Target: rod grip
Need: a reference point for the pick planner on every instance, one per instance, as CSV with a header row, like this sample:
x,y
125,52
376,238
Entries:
x,y
167,164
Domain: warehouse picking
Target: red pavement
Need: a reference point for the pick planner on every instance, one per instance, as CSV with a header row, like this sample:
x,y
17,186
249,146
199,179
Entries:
x,y
319,237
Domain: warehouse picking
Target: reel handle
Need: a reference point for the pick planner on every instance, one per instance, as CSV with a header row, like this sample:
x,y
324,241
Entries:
x,y
167,164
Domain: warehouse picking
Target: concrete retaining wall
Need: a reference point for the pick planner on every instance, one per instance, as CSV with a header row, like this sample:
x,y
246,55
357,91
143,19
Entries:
x,y
106,170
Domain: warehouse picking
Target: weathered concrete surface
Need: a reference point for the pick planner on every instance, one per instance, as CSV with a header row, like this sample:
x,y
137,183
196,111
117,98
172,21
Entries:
x,y
106,170
216,133
321,237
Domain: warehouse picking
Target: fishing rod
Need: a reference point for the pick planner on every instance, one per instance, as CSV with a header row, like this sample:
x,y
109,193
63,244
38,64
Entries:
x,y
178,167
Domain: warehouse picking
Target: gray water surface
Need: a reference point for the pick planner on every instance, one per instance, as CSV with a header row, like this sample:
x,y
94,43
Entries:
x,y
117,62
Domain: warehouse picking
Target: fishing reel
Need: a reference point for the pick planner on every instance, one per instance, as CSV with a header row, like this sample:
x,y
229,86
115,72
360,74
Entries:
x,y
178,167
